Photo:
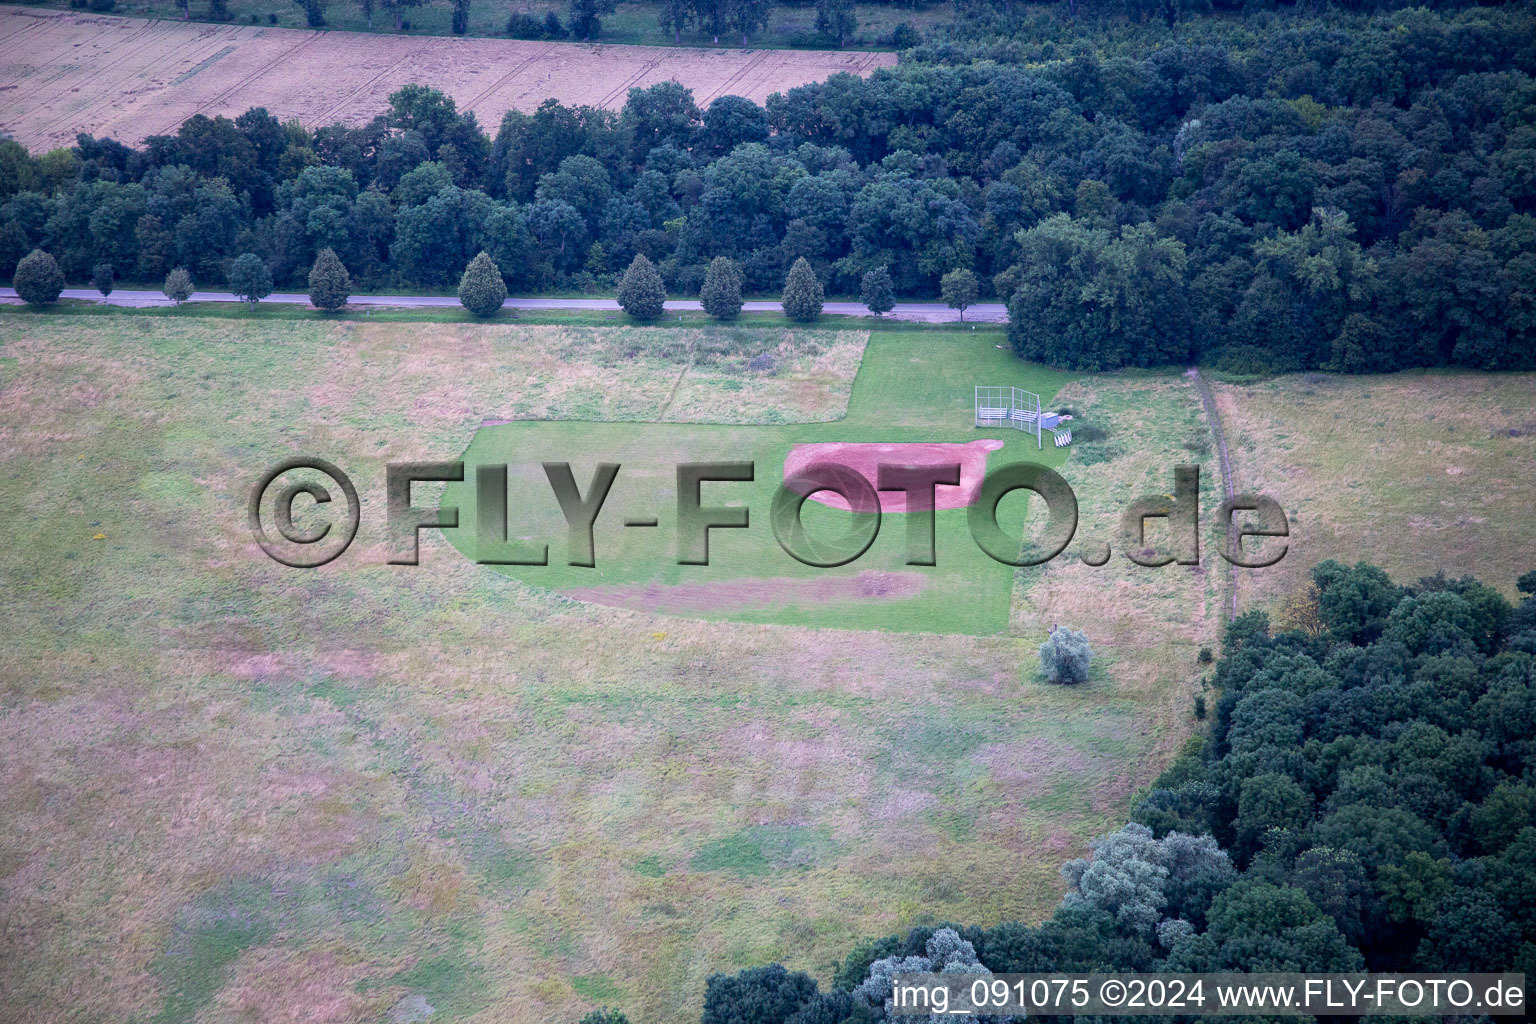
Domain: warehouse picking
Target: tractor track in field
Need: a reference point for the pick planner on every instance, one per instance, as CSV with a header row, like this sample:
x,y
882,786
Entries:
x,y
1208,400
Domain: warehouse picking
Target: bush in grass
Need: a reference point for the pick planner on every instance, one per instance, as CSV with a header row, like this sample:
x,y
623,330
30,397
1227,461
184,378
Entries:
x,y
329,283
103,277
1065,657
802,293
38,279
720,295
249,278
877,291
641,293
481,289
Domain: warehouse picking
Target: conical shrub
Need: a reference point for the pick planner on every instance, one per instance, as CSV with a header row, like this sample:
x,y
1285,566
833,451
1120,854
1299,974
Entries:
x,y
481,289
641,293
802,293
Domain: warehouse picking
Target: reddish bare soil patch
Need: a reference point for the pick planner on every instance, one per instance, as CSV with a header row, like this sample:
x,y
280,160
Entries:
x,y
755,594
866,457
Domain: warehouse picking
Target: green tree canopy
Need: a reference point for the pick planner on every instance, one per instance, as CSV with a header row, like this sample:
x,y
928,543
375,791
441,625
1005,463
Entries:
x,y
720,294
877,291
178,285
481,289
641,293
329,283
249,278
1066,656
38,279
803,296
959,290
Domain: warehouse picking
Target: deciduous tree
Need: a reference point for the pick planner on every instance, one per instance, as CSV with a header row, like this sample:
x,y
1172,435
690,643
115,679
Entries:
x,y
102,278
586,17
836,18
249,278
38,279
877,291
1065,657
178,285
958,288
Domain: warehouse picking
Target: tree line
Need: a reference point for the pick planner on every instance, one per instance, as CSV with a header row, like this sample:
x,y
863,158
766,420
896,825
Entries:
x,y
1364,800
1356,192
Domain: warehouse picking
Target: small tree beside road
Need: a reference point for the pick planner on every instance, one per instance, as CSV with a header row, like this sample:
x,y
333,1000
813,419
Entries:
x,y
249,278
330,286
103,277
38,279
802,293
720,294
641,293
959,290
481,289
877,291
178,285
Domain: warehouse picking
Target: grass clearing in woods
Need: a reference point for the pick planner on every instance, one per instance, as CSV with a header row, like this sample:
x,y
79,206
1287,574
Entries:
x,y
234,790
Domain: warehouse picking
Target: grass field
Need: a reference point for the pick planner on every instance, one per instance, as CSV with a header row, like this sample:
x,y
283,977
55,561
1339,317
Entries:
x,y
64,72
234,791
1419,472
912,388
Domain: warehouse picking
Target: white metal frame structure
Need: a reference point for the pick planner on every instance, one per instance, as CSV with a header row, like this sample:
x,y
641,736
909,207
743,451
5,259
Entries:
x,y
1006,406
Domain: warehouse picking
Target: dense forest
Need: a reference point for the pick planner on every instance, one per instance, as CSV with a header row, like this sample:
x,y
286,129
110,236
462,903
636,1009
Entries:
x,y
1365,800
1279,190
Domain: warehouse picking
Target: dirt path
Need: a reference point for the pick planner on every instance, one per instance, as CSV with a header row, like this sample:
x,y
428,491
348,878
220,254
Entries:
x,y
1228,485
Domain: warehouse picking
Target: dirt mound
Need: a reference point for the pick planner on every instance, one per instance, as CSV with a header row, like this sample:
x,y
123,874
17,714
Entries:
x,y
866,457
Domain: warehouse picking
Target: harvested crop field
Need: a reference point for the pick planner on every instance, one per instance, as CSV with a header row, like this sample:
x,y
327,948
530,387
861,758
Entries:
x,y
129,78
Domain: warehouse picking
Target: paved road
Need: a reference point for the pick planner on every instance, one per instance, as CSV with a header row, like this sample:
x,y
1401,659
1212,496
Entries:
x,y
927,312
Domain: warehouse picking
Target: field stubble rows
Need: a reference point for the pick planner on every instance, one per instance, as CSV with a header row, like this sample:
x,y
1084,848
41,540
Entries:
x,y
64,72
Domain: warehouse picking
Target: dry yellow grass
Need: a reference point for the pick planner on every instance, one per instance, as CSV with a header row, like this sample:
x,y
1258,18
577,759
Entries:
x,y
1416,472
1146,625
